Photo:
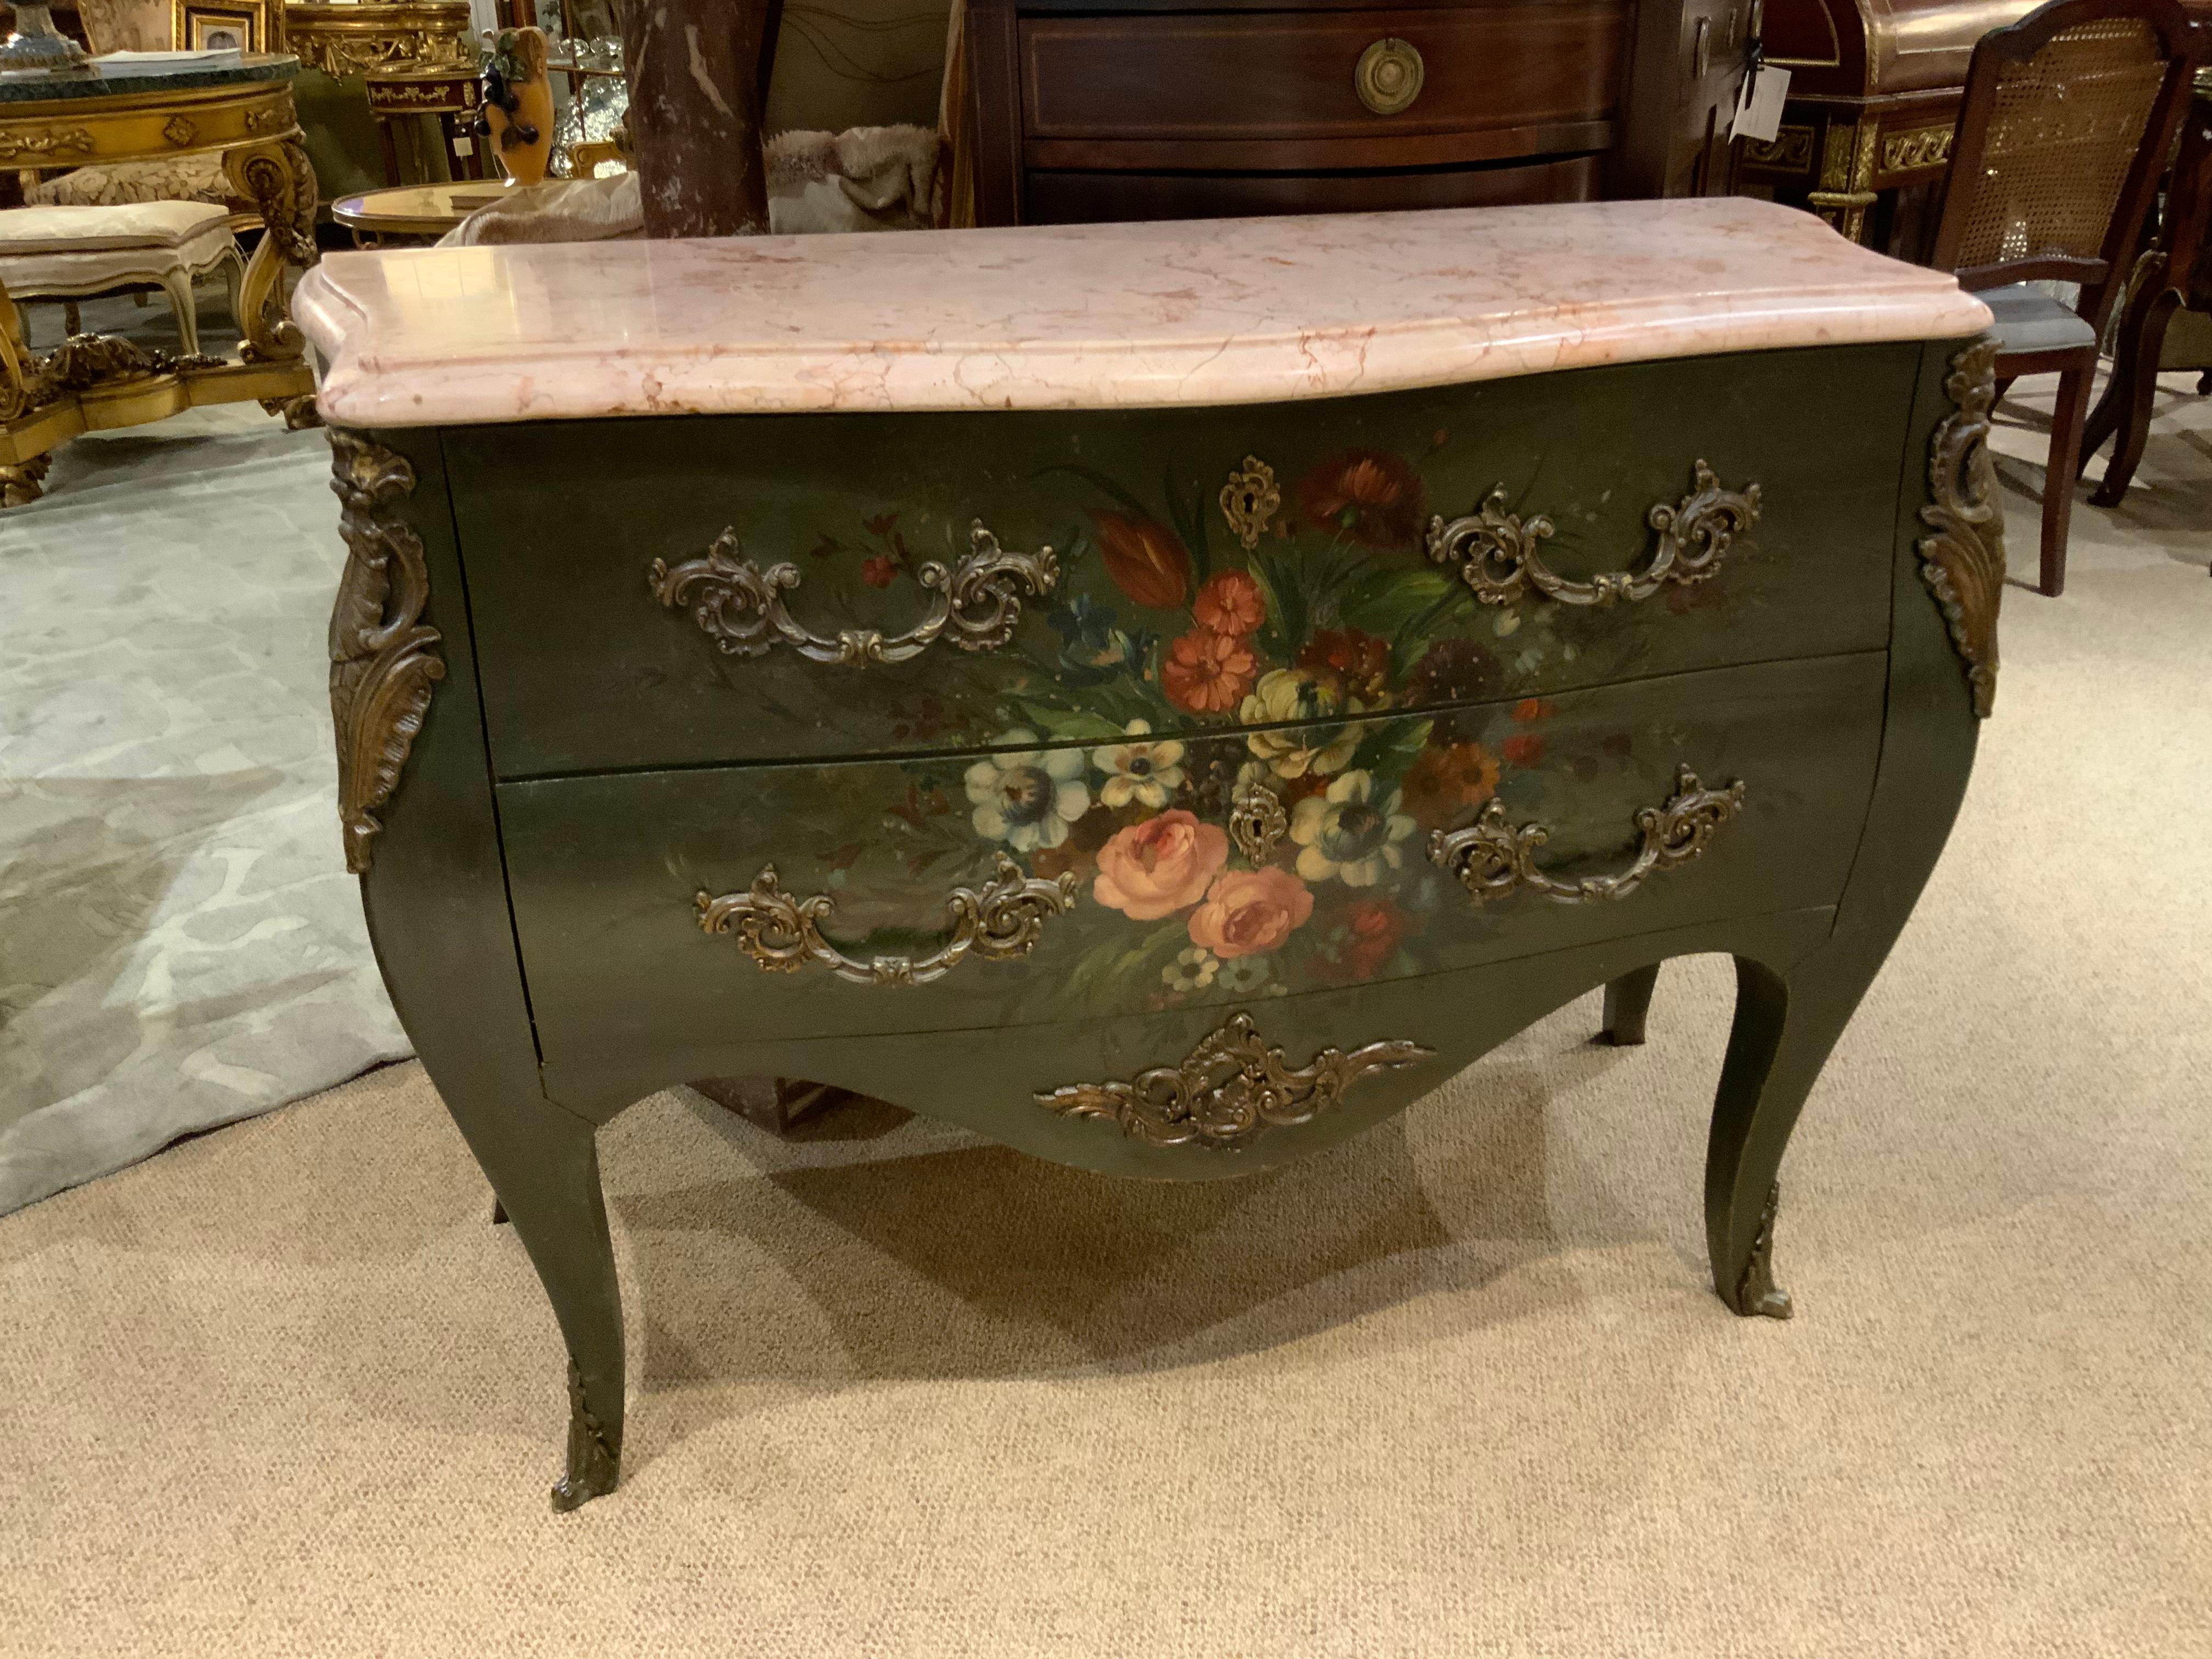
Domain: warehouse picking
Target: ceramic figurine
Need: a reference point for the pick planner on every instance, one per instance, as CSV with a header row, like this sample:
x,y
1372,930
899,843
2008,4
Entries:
x,y
516,114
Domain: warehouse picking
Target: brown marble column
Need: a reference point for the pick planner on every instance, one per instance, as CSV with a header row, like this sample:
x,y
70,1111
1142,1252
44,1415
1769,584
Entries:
x,y
694,115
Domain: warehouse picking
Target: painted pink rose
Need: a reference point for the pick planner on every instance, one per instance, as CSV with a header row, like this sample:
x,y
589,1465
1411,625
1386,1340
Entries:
x,y
1250,911
1153,869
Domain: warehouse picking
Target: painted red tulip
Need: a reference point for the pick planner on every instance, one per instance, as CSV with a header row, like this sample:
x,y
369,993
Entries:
x,y
1145,559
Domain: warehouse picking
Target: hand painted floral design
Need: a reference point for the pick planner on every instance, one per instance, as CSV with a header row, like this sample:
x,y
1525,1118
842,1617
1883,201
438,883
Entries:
x,y
1361,943
1143,773
1373,497
1250,911
1231,603
1293,694
1171,670
1348,834
1155,868
1207,672
1029,796
1145,559
1093,650
1192,970
1352,663
1449,781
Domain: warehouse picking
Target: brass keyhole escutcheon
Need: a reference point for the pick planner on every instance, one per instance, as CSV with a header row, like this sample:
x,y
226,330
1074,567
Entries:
x,y
1387,77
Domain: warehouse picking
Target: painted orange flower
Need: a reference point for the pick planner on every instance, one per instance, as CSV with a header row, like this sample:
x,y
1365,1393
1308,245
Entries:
x,y
1524,750
1372,496
1153,869
1231,603
1144,558
1362,942
1355,662
1250,911
1446,780
1207,672
1534,708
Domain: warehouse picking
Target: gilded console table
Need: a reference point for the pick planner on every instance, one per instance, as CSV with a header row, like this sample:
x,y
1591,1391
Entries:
x,y
1164,697
345,38
136,112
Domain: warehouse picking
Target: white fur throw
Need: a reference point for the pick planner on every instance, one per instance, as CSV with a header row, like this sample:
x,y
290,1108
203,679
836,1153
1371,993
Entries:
x,y
866,179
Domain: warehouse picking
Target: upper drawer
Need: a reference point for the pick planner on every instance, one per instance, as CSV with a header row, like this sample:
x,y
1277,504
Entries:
x,y
1532,77
1212,568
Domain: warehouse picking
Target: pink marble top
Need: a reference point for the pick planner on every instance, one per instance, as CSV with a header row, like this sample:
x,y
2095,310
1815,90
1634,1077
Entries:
x,y
1092,316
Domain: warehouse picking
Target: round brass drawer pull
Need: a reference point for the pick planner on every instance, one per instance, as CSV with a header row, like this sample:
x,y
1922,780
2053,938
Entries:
x,y
1387,77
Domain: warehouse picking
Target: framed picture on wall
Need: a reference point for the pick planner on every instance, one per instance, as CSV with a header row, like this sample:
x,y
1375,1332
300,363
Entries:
x,y
225,25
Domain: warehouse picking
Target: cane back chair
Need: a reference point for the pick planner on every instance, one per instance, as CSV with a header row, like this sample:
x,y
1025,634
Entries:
x,y
2068,119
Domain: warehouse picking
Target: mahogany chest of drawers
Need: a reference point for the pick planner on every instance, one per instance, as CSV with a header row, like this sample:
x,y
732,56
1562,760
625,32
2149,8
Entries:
x,y
1085,111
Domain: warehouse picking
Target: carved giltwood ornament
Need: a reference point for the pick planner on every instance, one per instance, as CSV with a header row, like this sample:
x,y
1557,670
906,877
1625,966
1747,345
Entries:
x,y
1492,857
276,176
740,606
784,934
82,363
1964,561
1499,553
384,658
1229,1088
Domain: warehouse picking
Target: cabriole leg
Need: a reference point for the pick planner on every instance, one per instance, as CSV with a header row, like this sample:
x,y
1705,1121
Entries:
x,y
1627,1000
544,1165
1784,1028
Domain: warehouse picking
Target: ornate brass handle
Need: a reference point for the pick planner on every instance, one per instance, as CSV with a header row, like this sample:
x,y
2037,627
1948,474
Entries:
x,y
1231,1086
1498,555
1388,74
740,606
1491,856
782,933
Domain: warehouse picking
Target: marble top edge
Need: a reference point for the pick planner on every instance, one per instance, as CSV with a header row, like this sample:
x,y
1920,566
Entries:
x,y
1112,316
122,80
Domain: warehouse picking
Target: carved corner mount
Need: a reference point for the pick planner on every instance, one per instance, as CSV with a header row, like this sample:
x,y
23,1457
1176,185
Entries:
x,y
1227,1089
384,658
1756,1292
1964,561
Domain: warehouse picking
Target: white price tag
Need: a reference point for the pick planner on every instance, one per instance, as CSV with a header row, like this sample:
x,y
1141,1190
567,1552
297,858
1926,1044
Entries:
x,y
1758,111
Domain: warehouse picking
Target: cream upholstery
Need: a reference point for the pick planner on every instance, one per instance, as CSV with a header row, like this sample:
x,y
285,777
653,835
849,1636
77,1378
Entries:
x,y
106,184
67,253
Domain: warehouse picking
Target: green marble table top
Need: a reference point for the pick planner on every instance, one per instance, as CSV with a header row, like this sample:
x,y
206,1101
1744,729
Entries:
x,y
109,79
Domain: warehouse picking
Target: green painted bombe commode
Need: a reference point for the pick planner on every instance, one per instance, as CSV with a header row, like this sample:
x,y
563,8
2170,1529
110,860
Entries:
x,y
1261,766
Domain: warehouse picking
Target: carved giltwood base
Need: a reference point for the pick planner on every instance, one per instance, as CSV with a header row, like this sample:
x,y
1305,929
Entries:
x,y
19,485
96,383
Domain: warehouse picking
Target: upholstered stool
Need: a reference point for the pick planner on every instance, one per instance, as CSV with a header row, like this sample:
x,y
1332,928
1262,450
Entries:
x,y
67,253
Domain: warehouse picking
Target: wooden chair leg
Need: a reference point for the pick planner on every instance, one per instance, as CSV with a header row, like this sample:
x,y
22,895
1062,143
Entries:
x,y
2135,378
2060,473
185,308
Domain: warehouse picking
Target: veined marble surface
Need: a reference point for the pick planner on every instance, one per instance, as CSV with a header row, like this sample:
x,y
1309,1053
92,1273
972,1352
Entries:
x,y
1092,316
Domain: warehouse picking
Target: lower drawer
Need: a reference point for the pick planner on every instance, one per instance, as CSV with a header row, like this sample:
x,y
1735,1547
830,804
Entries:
x,y
657,909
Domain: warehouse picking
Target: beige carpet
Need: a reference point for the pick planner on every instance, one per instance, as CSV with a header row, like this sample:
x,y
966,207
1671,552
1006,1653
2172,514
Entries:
x,y
1457,1389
